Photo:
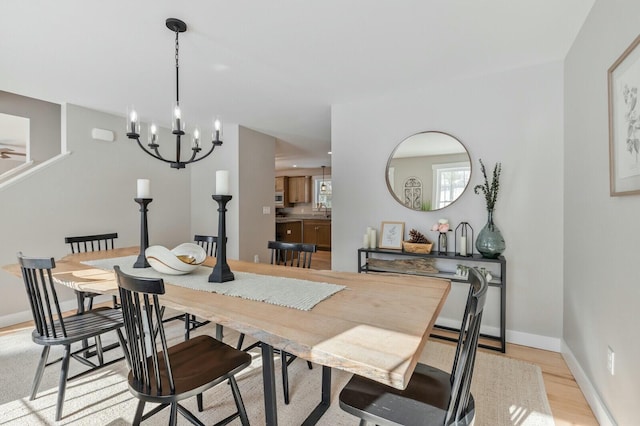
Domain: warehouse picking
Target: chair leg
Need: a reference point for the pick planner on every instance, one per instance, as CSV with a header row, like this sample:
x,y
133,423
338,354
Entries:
x,y
200,403
80,296
123,345
285,376
138,417
99,351
240,341
62,384
173,417
238,398
363,422
309,365
41,366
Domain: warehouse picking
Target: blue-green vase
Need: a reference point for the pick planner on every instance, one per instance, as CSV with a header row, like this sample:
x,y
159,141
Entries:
x,y
490,243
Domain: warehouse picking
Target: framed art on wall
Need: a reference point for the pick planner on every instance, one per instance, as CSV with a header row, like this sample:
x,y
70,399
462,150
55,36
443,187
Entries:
x,y
391,235
624,122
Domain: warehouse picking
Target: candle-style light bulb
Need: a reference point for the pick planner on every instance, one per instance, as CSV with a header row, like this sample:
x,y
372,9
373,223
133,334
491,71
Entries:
x,y
217,129
153,134
133,121
196,138
177,117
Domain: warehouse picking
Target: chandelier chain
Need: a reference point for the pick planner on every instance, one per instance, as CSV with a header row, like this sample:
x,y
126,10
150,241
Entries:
x,y
177,67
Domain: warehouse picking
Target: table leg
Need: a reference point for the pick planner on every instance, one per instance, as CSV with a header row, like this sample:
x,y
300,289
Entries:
x,y
325,401
269,383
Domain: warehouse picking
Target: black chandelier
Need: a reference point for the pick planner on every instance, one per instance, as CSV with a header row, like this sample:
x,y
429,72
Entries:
x,y
177,126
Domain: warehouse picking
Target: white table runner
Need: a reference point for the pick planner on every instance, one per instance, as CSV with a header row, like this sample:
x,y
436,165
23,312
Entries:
x,y
281,291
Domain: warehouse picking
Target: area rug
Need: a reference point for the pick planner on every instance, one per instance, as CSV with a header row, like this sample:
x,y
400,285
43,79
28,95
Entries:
x,y
507,391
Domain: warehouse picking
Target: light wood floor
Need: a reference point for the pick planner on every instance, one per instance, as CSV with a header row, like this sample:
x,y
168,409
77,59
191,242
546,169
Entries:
x,y
567,402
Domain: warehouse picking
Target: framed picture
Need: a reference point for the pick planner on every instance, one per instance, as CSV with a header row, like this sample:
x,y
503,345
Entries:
x,y
624,122
391,235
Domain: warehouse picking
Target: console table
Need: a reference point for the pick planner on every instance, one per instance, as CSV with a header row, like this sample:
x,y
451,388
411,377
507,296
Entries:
x,y
499,342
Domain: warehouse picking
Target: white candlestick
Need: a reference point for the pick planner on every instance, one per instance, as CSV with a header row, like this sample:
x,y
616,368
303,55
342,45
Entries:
x,y
372,238
144,188
222,182
365,241
463,246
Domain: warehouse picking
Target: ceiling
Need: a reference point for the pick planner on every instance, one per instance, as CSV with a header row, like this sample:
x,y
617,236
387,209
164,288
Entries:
x,y
273,66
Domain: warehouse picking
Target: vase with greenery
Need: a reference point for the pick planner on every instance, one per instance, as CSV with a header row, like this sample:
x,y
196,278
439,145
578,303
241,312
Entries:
x,y
490,242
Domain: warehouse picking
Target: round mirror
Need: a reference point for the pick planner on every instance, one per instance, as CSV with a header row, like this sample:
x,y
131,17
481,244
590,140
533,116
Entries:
x,y
428,171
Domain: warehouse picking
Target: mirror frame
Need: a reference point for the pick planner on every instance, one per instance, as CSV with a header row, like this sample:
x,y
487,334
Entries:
x,y
386,174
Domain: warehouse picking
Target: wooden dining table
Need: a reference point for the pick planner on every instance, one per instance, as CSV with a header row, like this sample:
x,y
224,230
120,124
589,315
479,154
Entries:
x,y
376,327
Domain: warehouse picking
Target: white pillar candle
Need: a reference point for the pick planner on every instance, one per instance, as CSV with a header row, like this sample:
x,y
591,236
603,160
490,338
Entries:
x,y
372,238
222,182
463,246
365,241
144,188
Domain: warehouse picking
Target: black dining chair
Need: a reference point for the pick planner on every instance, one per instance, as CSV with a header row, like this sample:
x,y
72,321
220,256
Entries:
x,y
52,329
86,243
294,255
291,254
165,374
432,397
208,242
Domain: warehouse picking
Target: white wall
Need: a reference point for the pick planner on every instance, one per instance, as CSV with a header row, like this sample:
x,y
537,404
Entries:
x,y
257,180
251,186
89,191
601,233
514,118
204,210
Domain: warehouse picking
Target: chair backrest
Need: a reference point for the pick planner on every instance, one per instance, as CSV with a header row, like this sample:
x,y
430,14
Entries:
x,y
85,243
141,310
208,242
464,360
43,298
291,254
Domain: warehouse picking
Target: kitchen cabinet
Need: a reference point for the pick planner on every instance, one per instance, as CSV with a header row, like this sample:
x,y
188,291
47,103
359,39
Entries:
x,y
290,232
282,183
299,189
317,232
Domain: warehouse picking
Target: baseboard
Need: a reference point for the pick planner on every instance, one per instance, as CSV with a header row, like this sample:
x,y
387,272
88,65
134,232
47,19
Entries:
x,y
600,410
24,316
547,343
516,337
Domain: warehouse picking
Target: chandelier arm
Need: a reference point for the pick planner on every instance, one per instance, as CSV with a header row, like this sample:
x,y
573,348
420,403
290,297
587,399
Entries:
x,y
157,155
213,145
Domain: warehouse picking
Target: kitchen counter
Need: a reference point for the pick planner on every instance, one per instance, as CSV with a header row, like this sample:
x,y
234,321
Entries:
x,y
287,220
301,218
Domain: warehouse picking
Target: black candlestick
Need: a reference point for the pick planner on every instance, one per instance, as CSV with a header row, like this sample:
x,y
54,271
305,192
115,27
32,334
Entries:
x,y
221,272
144,233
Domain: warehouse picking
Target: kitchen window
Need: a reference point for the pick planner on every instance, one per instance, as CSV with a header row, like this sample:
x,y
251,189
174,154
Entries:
x,y
321,199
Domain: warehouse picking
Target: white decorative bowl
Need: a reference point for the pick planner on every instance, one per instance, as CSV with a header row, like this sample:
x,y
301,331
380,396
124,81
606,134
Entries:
x,y
181,260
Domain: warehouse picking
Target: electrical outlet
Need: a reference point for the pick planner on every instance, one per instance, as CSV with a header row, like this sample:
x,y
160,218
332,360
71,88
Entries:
x,y
611,357
266,210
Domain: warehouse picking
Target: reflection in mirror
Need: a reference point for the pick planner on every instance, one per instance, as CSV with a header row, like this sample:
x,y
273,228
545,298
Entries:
x,y
428,171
